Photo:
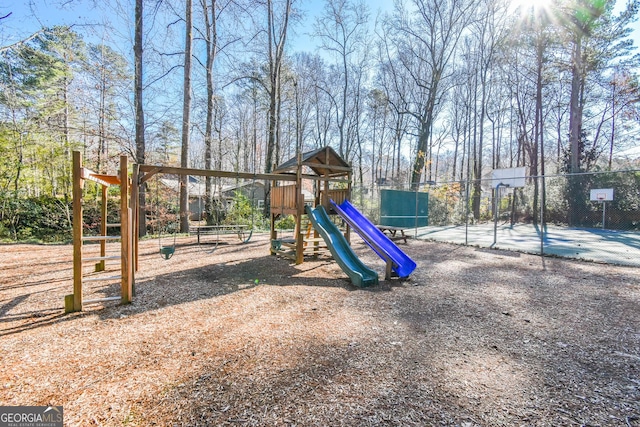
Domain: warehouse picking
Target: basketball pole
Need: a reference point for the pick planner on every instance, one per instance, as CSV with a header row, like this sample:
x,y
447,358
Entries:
x,y
495,212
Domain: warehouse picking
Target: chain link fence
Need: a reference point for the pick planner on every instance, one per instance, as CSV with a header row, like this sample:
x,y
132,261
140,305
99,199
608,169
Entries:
x,y
590,216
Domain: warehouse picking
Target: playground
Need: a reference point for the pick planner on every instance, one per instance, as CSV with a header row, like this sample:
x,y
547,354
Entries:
x,y
240,336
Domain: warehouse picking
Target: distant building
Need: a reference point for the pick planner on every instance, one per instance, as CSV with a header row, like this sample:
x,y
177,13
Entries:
x,y
252,190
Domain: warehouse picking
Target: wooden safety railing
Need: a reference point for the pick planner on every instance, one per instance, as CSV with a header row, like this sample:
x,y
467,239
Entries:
x,y
283,199
337,196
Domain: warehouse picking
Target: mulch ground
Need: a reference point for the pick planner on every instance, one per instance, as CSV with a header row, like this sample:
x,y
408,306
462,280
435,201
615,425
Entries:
x,y
474,337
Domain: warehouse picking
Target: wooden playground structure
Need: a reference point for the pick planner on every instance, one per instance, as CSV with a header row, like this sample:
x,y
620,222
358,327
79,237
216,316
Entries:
x,y
326,168
323,167
74,302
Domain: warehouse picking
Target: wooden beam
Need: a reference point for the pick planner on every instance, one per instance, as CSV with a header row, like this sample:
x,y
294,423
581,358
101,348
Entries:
x,y
330,167
100,178
322,178
148,171
145,177
214,173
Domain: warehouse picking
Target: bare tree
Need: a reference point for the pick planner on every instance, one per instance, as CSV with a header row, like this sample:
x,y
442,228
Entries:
x,y
488,31
394,89
277,29
625,96
211,12
186,118
139,109
424,41
342,31
308,70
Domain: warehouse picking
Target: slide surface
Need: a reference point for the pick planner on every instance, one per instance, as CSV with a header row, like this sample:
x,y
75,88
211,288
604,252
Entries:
x,y
360,274
376,239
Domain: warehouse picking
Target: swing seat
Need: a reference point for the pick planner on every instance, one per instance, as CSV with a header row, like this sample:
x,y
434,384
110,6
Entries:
x,y
167,251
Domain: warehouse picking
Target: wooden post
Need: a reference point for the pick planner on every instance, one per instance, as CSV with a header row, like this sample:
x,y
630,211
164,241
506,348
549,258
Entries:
x,y
125,234
273,234
131,232
78,184
299,231
348,236
135,222
101,265
299,211
135,210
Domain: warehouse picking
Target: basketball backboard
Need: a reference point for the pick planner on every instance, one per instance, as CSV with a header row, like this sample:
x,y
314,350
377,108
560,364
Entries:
x,y
511,177
602,195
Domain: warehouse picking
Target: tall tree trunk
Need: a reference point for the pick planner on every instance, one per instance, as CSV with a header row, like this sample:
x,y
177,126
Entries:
x,y
425,133
211,42
186,120
276,45
613,120
140,143
575,109
575,129
345,69
476,152
67,146
537,126
480,126
103,155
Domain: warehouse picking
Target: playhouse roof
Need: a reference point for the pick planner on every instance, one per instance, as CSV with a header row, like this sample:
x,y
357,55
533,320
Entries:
x,y
323,161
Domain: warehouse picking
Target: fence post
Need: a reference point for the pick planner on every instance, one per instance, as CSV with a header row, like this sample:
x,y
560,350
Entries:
x,y
466,212
415,223
496,207
543,201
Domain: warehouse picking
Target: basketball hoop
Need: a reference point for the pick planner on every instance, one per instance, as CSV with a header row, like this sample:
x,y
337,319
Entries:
x,y
602,195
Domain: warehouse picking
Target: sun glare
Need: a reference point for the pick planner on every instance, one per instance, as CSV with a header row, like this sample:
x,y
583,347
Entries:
x,y
526,7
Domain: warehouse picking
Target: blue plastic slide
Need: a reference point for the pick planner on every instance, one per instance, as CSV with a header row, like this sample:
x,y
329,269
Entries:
x,y
360,274
376,239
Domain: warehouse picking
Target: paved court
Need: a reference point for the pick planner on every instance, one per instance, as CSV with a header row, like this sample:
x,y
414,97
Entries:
x,y
607,246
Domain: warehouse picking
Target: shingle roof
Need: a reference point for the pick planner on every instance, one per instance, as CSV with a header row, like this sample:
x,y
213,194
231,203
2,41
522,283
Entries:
x,y
323,161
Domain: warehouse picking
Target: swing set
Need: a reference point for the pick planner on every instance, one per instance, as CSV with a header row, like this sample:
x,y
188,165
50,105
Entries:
x,y
143,173
218,230
325,164
166,251
167,229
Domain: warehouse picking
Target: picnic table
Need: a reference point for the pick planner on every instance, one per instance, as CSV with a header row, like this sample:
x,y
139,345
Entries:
x,y
238,229
393,232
